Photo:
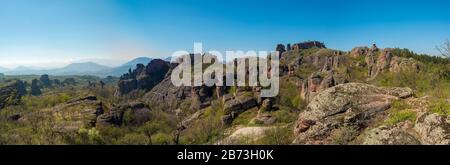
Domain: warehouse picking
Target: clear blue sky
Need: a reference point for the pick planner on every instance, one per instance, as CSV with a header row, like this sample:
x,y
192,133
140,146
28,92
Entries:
x,y
50,33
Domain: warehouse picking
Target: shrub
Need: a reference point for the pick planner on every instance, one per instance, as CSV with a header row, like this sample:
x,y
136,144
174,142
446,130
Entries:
x,y
134,139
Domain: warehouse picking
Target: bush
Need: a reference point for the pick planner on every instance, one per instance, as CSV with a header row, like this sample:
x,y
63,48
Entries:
x,y
161,139
134,139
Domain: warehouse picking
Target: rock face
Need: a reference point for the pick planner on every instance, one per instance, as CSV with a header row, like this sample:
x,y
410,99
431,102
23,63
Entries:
x,y
433,129
280,48
232,108
403,64
389,135
378,60
308,45
359,51
35,90
319,81
45,81
143,77
351,104
12,93
170,96
69,116
429,129
138,112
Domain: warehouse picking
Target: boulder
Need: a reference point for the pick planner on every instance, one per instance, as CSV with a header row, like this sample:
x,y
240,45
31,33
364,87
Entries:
x,y
389,135
264,118
351,104
232,108
267,105
433,129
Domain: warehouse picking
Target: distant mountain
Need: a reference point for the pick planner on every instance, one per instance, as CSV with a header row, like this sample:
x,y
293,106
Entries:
x,y
86,68
81,68
139,60
2,70
120,70
168,59
24,68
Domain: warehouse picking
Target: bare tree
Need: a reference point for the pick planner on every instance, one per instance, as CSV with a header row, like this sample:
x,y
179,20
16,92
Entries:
x,y
444,49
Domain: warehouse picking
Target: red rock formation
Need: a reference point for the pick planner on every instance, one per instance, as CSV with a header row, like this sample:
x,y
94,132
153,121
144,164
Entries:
x,y
308,45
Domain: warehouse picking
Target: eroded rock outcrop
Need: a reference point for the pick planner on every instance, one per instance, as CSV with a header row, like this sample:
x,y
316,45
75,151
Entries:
x,y
138,113
359,52
35,89
379,60
351,104
320,81
143,77
428,129
70,116
390,135
233,107
433,129
308,45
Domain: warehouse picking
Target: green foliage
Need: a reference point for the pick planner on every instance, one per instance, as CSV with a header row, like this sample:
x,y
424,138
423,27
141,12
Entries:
x,y
245,117
420,57
290,94
440,106
128,117
134,139
401,116
88,136
399,105
205,130
161,139
426,82
285,115
400,111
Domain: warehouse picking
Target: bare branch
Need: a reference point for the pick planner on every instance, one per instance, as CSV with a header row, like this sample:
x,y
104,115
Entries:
x,y
444,49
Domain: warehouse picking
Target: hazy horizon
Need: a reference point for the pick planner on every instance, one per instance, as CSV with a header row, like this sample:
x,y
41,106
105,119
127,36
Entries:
x,y
55,33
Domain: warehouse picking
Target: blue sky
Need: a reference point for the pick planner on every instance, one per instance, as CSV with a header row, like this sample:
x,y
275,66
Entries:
x,y
52,33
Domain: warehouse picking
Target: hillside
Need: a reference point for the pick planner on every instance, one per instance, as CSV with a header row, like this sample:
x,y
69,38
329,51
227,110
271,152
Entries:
x,y
368,95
